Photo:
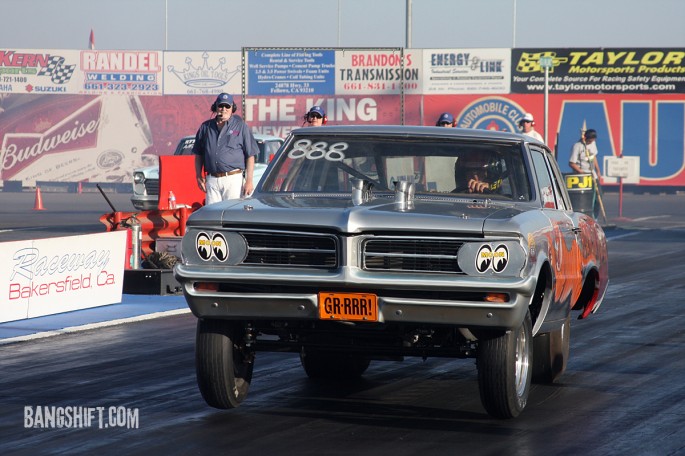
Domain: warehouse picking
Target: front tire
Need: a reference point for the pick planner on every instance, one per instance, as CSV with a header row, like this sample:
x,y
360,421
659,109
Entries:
x,y
505,370
223,363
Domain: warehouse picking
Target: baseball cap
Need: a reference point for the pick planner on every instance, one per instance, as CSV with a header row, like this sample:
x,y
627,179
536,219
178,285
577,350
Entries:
x,y
318,110
590,134
528,117
224,98
445,117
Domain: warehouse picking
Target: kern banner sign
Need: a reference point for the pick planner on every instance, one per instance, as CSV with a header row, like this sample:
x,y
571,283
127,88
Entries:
x,y
614,70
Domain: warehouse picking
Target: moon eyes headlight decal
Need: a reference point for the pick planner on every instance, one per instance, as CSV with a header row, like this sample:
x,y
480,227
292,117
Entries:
x,y
216,246
219,247
484,258
487,258
203,246
500,258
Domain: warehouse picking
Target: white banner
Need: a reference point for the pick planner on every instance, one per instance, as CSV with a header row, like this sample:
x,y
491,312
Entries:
x,y
40,71
202,73
81,72
466,71
359,72
49,276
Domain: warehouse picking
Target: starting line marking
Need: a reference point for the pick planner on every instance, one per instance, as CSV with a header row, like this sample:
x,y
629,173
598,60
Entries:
x,y
102,324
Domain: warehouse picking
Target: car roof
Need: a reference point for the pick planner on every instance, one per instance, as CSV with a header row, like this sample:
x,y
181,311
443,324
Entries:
x,y
413,130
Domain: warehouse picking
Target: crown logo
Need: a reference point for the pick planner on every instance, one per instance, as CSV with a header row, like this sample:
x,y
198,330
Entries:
x,y
204,76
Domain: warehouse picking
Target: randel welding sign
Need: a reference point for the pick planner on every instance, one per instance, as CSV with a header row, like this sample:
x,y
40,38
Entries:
x,y
611,70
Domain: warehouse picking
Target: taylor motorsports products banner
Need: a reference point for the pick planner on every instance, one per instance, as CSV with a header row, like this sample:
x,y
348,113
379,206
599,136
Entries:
x,y
610,70
49,276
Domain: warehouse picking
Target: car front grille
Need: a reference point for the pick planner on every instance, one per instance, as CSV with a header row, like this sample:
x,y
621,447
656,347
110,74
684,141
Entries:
x,y
289,249
152,186
411,255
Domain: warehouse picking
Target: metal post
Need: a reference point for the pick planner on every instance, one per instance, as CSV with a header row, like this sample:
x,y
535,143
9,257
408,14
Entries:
x,y
166,23
136,242
408,45
546,103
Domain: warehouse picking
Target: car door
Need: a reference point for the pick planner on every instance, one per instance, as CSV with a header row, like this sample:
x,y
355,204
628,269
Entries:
x,y
563,252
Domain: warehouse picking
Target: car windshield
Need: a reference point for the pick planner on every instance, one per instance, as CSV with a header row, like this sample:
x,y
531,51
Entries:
x,y
267,150
331,164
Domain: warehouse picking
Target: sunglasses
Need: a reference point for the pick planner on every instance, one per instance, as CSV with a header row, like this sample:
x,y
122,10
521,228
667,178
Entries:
x,y
315,116
225,106
445,123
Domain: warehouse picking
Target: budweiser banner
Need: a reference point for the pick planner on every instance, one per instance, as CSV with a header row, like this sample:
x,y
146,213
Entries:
x,y
611,70
73,138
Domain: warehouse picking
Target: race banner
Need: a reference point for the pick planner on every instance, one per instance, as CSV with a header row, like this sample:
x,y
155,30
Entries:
x,y
284,72
279,115
49,276
375,72
202,73
71,138
122,72
44,71
612,70
466,71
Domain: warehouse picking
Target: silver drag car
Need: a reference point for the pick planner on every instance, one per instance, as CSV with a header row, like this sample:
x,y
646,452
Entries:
x,y
370,243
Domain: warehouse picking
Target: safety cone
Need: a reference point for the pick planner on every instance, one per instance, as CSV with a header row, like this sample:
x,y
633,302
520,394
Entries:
x,y
38,206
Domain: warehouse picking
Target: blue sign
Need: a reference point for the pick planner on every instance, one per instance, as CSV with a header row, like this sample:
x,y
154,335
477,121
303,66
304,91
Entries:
x,y
291,72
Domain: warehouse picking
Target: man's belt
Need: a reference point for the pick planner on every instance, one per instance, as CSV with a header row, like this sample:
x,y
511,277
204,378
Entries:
x,y
227,173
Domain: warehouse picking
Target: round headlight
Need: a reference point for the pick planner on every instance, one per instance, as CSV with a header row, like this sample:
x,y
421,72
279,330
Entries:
x,y
138,178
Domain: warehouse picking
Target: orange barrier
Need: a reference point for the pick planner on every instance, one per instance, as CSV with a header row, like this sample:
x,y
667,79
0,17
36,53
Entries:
x,y
153,224
38,205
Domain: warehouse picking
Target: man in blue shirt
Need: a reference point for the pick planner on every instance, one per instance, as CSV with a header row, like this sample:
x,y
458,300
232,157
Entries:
x,y
225,149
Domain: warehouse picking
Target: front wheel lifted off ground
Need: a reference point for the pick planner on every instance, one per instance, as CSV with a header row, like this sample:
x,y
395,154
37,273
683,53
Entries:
x,y
505,369
223,363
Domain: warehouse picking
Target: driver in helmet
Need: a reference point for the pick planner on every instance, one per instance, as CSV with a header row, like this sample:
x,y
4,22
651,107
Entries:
x,y
478,173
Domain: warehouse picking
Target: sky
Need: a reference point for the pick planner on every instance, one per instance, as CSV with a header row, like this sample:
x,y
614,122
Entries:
x,y
193,25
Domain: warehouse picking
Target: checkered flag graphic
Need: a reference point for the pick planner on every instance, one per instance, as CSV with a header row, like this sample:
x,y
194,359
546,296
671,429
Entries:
x,y
530,62
59,73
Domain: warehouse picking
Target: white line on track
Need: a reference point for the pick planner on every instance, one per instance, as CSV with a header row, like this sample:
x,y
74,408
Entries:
x,y
88,326
619,236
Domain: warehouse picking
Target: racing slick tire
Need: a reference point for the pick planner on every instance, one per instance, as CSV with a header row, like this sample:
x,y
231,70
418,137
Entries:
x,y
505,369
223,363
333,365
551,352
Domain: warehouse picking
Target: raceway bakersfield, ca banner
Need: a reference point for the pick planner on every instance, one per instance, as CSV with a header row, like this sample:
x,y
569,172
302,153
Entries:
x,y
49,276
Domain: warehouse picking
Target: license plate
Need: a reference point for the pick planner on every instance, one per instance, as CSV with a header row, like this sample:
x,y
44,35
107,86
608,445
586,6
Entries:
x,y
348,306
